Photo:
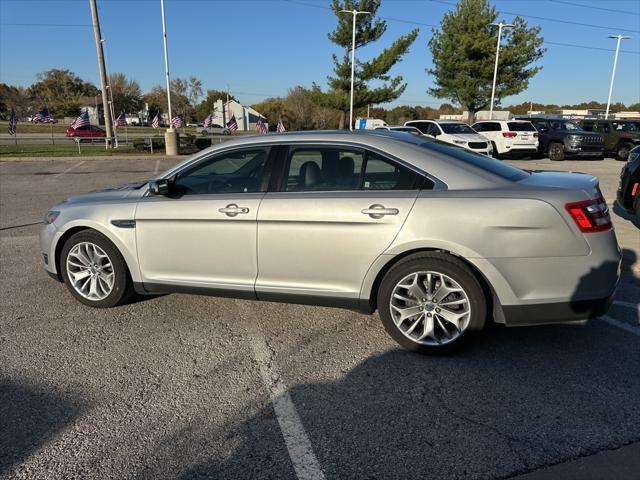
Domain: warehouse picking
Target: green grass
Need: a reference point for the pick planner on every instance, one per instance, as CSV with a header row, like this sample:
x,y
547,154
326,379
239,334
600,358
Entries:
x,y
66,151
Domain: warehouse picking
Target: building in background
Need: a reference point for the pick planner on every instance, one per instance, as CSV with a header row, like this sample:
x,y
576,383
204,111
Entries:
x,y
246,117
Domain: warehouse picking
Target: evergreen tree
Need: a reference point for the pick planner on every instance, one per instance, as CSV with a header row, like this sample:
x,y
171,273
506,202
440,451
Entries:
x,y
369,28
464,50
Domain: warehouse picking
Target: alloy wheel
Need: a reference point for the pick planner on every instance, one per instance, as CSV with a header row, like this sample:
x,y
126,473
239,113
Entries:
x,y
90,271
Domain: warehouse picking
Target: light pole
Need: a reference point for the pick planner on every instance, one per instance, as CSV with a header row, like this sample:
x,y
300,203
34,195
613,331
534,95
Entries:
x,y
613,72
170,136
495,68
355,13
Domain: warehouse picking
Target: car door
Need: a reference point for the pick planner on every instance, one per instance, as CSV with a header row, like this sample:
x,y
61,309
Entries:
x,y
204,233
334,211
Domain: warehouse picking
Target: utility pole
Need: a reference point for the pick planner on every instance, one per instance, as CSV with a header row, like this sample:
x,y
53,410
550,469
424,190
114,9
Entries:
x,y
103,73
495,68
355,13
613,72
171,140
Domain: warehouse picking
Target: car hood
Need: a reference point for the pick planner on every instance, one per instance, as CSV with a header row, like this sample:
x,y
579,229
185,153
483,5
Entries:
x,y
115,192
563,180
468,137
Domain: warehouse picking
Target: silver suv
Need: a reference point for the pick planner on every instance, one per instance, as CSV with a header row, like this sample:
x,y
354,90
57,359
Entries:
x,y
438,239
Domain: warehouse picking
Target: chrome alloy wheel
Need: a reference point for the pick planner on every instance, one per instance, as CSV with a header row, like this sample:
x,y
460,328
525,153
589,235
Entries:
x,y
430,308
90,271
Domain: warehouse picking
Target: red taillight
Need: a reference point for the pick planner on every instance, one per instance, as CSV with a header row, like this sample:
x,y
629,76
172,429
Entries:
x,y
509,134
634,190
536,134
590,215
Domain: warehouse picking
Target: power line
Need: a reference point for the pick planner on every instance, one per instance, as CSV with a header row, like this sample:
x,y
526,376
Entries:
x,y
595,8
46,24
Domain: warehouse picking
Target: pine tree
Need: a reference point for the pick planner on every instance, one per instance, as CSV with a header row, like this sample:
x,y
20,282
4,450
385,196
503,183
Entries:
x,y
369,28
464,50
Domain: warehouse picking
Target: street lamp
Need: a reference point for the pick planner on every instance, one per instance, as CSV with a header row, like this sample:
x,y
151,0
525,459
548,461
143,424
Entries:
x,y
495,68
355,13
170,136
613,72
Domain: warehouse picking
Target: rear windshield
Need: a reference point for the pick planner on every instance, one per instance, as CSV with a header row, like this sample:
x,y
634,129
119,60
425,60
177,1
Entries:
x,y
487,164
456,128
521,127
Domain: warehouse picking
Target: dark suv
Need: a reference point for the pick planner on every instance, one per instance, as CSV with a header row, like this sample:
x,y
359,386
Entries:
x,y
620,136
560,138
628,194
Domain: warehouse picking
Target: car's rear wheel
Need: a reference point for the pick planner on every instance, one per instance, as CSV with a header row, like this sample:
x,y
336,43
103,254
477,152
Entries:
x,y
431,303
495,154
204,133
556,151
622,152
94,271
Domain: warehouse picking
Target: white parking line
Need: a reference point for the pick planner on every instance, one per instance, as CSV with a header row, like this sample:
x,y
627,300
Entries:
x,y
624,326
68,169
300,450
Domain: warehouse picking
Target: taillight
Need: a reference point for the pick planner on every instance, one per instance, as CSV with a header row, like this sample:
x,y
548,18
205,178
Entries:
x,y
590,215
509,134
634,190
536,134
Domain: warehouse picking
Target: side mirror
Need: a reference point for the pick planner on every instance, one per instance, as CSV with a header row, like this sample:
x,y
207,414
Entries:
x,y
159,187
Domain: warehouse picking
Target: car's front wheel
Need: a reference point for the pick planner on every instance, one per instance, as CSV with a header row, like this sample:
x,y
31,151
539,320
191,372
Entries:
x,y
94,271
556,151
431,303
622,152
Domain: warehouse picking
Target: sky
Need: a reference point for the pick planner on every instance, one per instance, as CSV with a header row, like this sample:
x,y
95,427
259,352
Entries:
x,y
261,48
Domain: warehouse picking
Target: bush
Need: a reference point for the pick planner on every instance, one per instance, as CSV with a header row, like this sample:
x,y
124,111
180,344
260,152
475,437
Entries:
x,y
202,143
143,143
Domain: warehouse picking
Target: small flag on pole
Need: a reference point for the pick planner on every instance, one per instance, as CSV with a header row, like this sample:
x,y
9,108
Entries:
x,y
232,124
280,128
81,121
261,127
42,116
177,121
155,123
13,121
208,121
121,120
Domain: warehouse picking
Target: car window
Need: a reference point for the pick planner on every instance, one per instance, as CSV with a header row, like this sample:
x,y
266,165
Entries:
x,y
433,130
422,126
456,128
540,125
588,127
480,127
323,168
238,171
624,126
383,174
520,127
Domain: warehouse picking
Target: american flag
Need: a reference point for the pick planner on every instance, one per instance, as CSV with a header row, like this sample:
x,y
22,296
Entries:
x,y
81,121
261,127
280,128
208,121
232,124
42,116
155,123
121,120
177,121
13,120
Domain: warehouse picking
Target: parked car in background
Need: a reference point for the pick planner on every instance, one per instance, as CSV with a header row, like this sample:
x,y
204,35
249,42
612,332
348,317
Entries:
x,y
87,131
620,136
438,239
362,123
214,129
628,195
456,133
560,138
509,138
400,128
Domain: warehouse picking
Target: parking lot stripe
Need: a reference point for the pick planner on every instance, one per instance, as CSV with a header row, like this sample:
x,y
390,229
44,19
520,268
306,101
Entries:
x,y
624,326
298,444
627,304
68,169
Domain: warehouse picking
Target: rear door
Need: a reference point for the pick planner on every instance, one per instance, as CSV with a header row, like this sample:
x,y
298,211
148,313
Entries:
x,y
336,209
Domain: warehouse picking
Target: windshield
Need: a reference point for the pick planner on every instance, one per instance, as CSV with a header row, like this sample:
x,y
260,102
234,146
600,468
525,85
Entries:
x,y
564,125
456,128
482,162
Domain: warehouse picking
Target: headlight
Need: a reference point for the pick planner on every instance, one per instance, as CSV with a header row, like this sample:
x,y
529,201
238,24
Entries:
x,y
459,142
51,216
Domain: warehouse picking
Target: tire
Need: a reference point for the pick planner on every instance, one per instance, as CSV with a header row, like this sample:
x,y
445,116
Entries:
x,y
622,152
496,154
78,246
226,132
204,133
444,337
556,151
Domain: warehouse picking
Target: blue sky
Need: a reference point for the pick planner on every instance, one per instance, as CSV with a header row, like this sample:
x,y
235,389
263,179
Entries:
x,y
260,48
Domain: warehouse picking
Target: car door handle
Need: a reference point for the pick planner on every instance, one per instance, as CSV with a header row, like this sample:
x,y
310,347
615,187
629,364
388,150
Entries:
x,y
378,211
232,210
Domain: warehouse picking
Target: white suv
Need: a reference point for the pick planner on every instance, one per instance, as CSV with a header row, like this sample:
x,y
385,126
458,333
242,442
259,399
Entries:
x,y
455,133
509,137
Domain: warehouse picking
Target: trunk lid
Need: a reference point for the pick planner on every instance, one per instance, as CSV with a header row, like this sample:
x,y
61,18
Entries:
x,y
564,181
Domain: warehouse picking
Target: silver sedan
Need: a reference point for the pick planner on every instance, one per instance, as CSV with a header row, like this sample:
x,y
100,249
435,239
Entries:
x,y
439,240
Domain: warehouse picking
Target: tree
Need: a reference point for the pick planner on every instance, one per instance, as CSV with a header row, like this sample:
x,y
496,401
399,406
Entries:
x,y
61,91
16,98
369,28
126,93
464,50
207,105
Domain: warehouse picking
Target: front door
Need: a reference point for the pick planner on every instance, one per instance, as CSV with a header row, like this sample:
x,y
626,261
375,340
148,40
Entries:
x,y
336,211
204,233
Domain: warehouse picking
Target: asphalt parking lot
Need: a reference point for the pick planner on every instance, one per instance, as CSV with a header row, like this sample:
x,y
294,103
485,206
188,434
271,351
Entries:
x,y
188,387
